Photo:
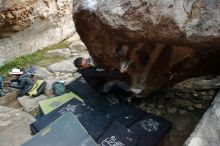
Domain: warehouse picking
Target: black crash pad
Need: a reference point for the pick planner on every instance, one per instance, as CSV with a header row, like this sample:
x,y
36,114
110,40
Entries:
x,y
94,122
110,104
65,131
118,135
80,87
150,129
122,113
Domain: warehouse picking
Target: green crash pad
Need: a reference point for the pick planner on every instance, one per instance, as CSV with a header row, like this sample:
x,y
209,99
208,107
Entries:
x,y
51,104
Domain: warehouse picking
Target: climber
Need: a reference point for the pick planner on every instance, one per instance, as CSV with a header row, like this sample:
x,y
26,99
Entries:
x,y
21,81
101,80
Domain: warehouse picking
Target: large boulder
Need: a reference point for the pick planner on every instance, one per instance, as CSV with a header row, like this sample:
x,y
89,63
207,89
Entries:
x,y
28,25
206,132
14,126
158,42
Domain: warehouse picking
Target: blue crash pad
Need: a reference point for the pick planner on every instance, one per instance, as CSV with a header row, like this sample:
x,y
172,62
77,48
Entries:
x,y
94,122
65,131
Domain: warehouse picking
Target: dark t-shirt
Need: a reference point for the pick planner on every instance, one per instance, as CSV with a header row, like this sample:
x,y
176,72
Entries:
x,y
96,77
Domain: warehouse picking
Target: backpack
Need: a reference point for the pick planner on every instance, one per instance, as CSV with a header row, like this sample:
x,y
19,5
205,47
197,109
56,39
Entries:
x,y
58,88
37,88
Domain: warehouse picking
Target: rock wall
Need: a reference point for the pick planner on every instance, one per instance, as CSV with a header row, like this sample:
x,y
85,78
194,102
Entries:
x,y
158,42
206,132
29,25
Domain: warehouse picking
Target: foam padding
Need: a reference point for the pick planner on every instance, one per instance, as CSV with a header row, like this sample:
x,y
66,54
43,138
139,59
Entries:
x,y
65,131
51,104
94,122
110,105
150,129
118,135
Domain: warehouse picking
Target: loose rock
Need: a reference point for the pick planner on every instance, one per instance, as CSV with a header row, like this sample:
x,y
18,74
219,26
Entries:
x,y
14,126
183,112
30,105
42,73
172,110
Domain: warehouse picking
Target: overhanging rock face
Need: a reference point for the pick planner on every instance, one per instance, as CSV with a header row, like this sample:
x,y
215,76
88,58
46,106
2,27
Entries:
x,y
159,42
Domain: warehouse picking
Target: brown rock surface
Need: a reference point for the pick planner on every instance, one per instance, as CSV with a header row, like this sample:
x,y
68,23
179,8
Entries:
x,y
160,43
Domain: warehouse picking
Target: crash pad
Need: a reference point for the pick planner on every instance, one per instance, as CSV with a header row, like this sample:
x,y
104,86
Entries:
x,y
119,111
73,106
81,88
110,105
150,129
118,135
65,131
51,104
94,122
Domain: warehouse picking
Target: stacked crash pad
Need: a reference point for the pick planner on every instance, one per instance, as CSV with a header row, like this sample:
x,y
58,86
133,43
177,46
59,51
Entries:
x,y
65,131
107,119
110,105
51,104
124,114
93,121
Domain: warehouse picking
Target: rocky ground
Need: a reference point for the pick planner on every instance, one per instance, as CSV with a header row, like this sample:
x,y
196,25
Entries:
x,y
184,108
181,105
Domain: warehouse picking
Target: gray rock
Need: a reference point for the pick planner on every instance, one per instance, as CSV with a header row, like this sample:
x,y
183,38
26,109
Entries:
x,y
74,37
66,66
14,126
43,73
183,112
77,47
207,131
172,110
33,25
30,105
58,53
